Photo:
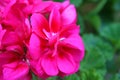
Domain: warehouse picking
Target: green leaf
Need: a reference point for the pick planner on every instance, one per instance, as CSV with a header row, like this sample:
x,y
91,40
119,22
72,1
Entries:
x,y
117,5
93,60
98,52
111,67
112,33
77,3
80,22
94,20
98,7
72,77
34,77
52,78
91,74
115,77
95,43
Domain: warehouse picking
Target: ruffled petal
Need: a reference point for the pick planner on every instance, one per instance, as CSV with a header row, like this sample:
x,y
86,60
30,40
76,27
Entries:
x,y
16,71
39,24
34,47
66,63
69,30
69,15
7,57
42,7
75,42
10,38
55,20
37,69
49,65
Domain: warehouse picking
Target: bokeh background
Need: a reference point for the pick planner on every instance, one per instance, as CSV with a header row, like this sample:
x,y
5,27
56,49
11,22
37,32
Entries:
x,y
100,29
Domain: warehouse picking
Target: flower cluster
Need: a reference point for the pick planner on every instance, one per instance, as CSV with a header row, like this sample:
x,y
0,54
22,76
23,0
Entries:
x,y
39,37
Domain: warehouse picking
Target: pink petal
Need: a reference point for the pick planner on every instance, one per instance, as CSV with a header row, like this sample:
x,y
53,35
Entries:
x,y
49,65
41,7
16,71
5,6
39,23
2,32
69,30
37,68
69,15
34,47
7,57
75,42
65,4
66,63
15,48
69,49
10,38
55,20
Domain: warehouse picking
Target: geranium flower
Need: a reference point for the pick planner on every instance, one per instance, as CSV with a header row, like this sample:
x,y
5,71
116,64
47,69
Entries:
x,y
13,34
55,47
13,65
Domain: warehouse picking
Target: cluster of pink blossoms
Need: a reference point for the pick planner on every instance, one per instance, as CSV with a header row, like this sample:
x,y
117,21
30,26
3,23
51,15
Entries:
x,y
38,37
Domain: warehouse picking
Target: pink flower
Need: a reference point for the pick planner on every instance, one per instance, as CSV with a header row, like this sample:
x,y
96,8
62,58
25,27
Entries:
x,y
11,65
15,20
55,47
14,32
13,62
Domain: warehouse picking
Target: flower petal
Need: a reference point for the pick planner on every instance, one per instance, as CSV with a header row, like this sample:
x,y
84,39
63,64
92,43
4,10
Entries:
x,y
55,20
7,57
49,65
68,30
16,71
34,47
66,63
10,38
75,42
37,68
69,15
69,49
39,23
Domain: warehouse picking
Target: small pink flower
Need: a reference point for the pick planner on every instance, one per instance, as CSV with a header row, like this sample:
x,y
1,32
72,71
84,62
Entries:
x,y
55,47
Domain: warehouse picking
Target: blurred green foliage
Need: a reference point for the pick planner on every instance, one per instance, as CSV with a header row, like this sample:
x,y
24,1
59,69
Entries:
x,y
100,29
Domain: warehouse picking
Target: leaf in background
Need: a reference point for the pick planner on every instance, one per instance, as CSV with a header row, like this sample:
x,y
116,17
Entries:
x,y
112,33
94,20
115,77
91,75
72,77
111,67
34,77
80,22
98,7
98,52
52,78
99,45
77,3
116,8
117,5
93,60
